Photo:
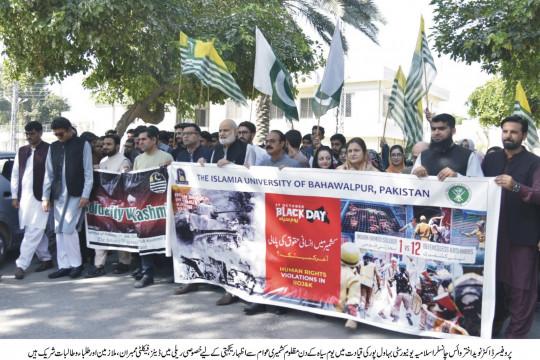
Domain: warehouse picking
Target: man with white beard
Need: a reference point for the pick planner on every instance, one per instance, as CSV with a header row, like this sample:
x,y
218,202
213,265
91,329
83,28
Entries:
x,y
230,149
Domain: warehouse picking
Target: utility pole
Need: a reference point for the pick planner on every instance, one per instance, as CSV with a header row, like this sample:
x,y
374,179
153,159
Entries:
x,y
14,109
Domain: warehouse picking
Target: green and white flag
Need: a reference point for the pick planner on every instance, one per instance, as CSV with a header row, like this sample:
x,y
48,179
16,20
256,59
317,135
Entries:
x,y
329,92
396,105
201,58
421,76
521,108
271,78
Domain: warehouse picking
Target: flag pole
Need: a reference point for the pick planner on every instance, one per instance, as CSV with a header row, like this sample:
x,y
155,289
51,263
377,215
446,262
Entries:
x,y
179,87
427,90
385,122
208,102
319,115
200,100
251,107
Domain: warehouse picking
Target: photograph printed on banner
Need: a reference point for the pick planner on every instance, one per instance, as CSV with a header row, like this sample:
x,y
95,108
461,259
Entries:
x,y
215,234
410,267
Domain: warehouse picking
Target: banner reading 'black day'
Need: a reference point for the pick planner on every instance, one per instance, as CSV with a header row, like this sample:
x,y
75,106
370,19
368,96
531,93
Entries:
x,y
406,254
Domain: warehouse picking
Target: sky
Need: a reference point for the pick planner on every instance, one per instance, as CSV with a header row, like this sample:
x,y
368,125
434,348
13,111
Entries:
x,y
397,42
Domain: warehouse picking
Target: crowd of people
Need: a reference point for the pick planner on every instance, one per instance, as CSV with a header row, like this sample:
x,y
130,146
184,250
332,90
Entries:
x,y
53,181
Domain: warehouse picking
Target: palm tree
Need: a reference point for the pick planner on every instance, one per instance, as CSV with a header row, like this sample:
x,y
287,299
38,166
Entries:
x,y
363,15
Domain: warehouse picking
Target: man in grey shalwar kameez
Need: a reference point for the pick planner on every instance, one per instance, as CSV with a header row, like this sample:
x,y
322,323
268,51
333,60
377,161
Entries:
x,y
67,184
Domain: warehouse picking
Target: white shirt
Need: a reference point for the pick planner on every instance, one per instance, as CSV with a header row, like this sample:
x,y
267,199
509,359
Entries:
x,y
118,162
474,169
31,213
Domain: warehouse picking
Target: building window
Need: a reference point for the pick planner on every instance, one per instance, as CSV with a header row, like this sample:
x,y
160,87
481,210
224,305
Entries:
x,y
306,110
346,104
276,113
201,118
234,110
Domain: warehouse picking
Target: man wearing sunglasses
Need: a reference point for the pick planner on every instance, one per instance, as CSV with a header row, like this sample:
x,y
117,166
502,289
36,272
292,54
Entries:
x,y
67,184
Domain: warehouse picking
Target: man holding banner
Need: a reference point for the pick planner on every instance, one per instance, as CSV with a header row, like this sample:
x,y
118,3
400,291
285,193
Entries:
x,y
517,171
151,157
443,158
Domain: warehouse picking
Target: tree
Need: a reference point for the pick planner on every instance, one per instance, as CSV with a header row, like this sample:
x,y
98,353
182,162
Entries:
x,y
500,34
37,103
128,48
490,103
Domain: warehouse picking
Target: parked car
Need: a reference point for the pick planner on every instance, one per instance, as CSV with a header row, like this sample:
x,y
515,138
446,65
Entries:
x,y
10,233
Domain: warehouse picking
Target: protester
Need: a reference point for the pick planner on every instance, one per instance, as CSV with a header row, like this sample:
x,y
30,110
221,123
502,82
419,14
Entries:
x,y
193,149
396,160
323,158
294,137
493,149
229,149
342,155
113,161
67,184
129,146
415,152
206,139
130,133
178,129
469,144
306,142
26,193
215,139
357,156
317,136
161,145
246,133
92,139
151,157
443,158
517,171
275,147
337,141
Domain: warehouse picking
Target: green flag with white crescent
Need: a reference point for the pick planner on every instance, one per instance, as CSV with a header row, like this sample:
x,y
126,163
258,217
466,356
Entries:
x,y
328,94
271,78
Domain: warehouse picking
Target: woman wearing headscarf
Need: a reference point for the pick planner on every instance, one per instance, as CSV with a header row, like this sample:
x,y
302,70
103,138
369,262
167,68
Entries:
x,y
357,156
396,159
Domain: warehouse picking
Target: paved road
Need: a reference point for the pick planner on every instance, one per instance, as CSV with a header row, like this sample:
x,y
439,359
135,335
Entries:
x,y
108,307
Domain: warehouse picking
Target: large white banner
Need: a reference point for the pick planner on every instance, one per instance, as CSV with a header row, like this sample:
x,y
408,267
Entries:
x,y
406,254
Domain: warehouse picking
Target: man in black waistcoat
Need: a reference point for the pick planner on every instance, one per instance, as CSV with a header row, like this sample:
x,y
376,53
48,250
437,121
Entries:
x,y
230,149
517,171
26,191
67,184
444,158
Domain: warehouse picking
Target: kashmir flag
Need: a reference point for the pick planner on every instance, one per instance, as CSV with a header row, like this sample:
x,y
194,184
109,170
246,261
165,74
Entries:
x,y
396,104
271,77
421,76
521,108
201,58
329,92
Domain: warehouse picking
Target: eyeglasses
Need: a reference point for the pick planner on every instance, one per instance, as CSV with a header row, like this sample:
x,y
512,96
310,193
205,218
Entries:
x,y
189,133
396,155
60,134
244,132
